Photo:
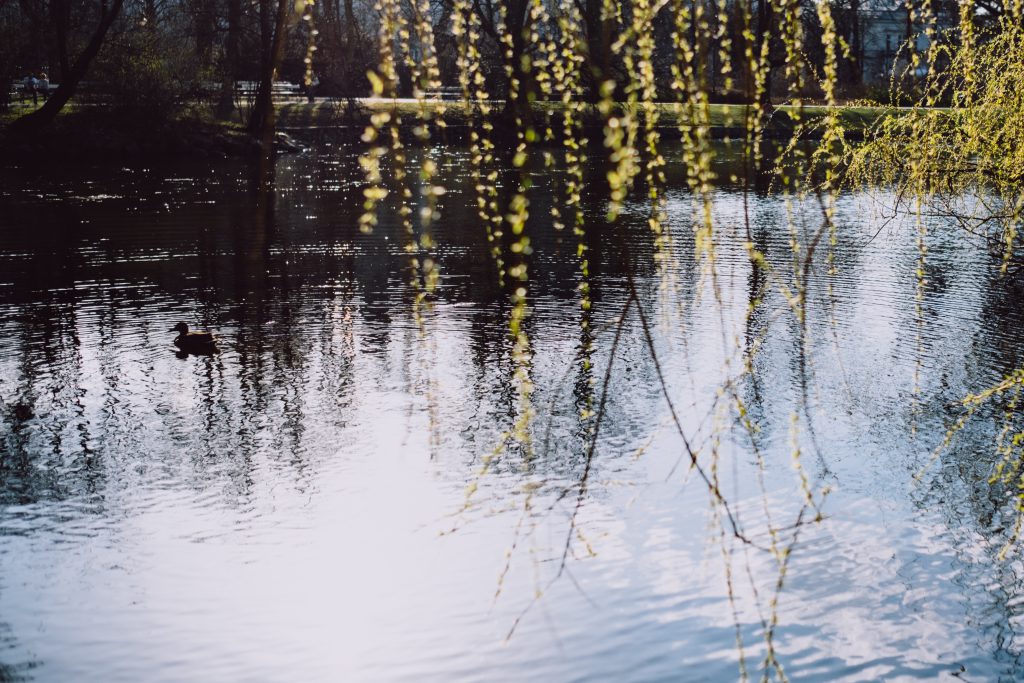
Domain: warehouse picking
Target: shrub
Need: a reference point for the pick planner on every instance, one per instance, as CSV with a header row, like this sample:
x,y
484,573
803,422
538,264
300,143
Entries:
x,y
141,76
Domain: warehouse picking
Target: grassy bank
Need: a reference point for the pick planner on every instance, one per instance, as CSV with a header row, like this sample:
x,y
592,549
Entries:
x,y
725,119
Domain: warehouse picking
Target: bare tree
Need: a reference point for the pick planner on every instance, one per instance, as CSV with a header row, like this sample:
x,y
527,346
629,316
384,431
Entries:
x,y
69,83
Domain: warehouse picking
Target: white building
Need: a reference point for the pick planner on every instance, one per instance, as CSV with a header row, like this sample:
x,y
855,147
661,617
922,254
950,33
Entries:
x,y
888,39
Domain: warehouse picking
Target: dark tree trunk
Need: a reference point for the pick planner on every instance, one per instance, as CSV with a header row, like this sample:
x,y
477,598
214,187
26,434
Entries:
x,y
515,24
765,31
737,51
856,45
61,11
204,20
226,104
261,124
442,37
65,91
599,46
351,27
266,43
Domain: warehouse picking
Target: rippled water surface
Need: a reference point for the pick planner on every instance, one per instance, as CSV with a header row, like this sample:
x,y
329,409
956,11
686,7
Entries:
x,y
328,497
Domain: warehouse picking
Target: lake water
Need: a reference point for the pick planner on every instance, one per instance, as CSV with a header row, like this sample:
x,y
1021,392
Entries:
x,y
296,506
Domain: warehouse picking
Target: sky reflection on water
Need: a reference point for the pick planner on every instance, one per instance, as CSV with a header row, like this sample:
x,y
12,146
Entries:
x,y
277,511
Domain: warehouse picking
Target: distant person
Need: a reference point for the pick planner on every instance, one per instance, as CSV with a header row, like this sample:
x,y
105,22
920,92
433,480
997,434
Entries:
x,y
311,88
30,88
43,86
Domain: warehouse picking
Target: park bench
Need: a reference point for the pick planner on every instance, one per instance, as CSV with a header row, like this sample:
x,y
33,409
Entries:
x,y
448,93
282,90
17,91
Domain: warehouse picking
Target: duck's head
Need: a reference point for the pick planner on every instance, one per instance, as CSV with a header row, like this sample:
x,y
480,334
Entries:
x,y
180,328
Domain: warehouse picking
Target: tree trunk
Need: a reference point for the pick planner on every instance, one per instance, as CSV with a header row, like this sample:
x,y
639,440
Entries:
x,y
515,24
351,27
764,31
226,104
261,124
599,46
61,10
266,43
856,47
44,115
205,29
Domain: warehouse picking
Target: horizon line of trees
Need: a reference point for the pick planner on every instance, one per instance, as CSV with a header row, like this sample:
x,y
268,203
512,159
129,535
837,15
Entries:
x,y
160,54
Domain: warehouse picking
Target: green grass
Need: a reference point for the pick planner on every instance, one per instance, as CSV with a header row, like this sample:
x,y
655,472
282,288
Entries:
x,y
332,113
722,116
17,108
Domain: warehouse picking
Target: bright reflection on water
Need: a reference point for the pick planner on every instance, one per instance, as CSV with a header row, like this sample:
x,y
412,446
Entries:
x,y
275,512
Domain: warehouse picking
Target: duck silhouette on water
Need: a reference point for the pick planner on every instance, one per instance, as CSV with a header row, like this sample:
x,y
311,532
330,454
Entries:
x,y
193,342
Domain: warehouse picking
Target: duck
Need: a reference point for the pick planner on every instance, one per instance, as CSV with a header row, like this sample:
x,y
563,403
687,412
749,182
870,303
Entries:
x,y
193,342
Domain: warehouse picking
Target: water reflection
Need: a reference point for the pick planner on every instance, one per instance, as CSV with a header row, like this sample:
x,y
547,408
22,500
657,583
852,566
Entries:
x,y
249,509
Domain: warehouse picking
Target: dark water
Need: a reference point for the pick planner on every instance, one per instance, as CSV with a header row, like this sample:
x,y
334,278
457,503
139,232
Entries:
x,y
294,507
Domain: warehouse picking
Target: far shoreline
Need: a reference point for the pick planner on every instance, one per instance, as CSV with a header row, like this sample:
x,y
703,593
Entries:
x,y
97,134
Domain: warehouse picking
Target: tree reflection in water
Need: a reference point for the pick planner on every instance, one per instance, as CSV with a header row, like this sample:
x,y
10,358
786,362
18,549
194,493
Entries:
x,y
318,338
